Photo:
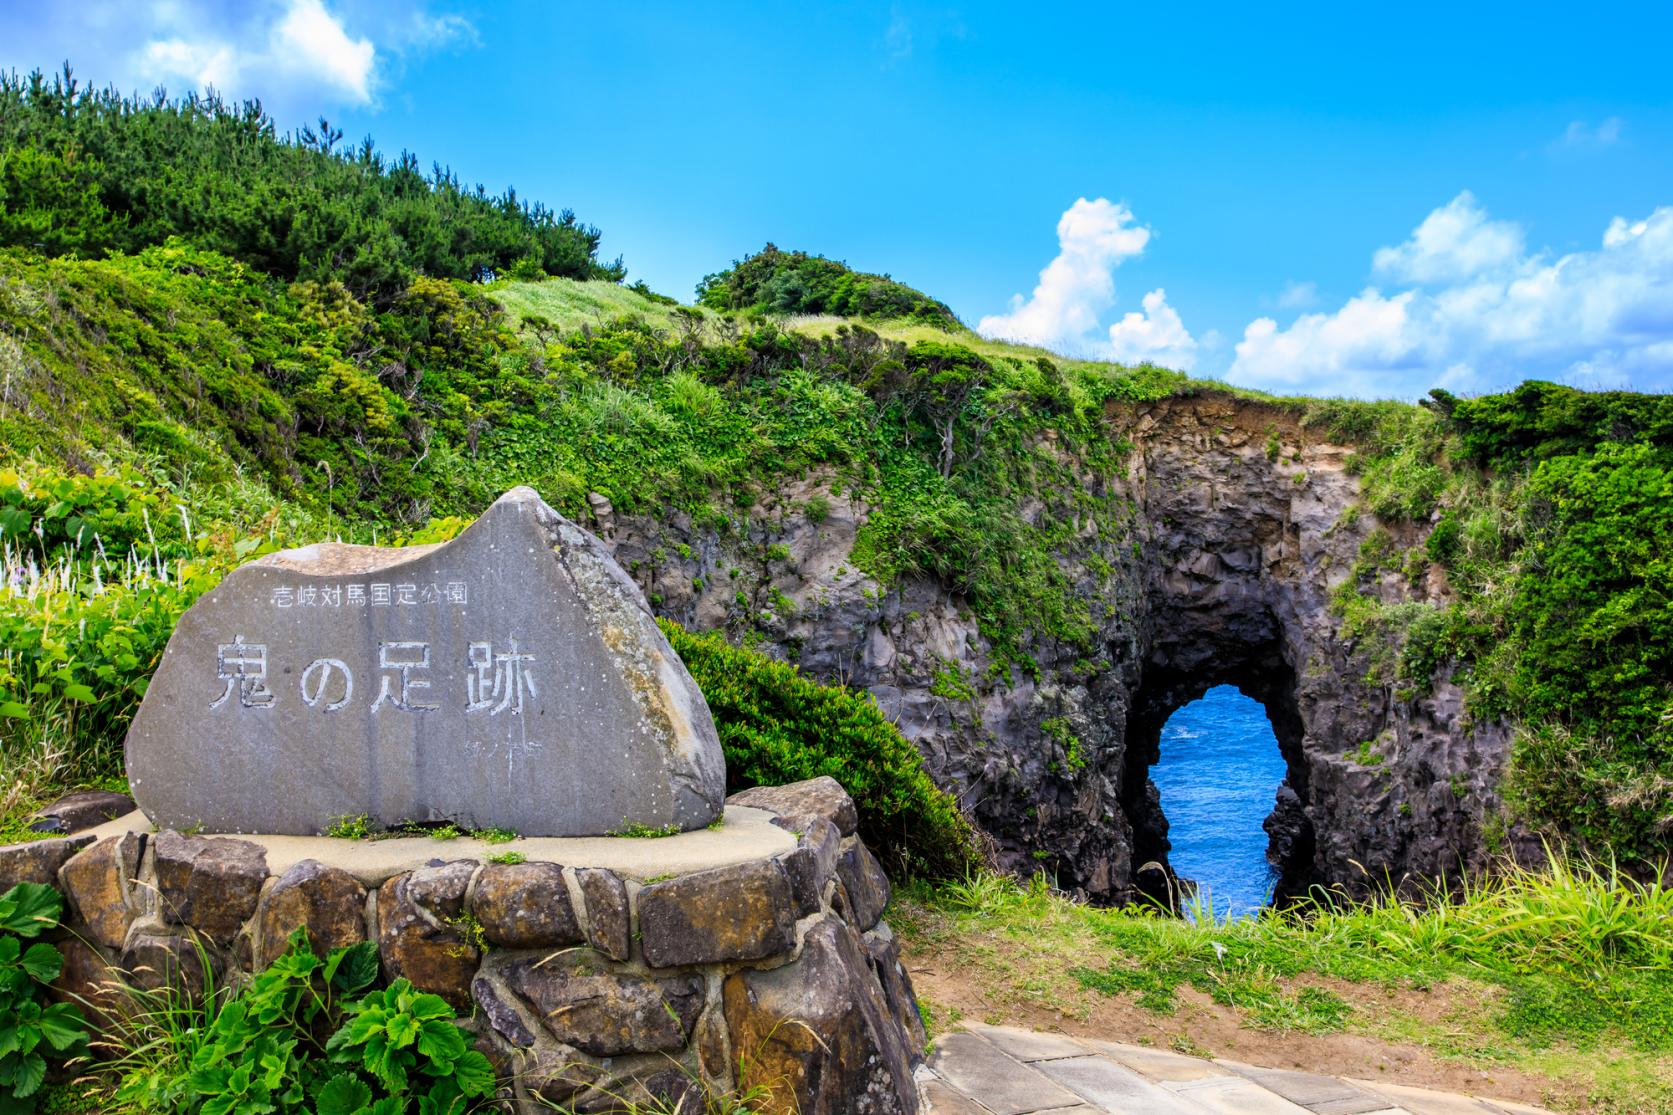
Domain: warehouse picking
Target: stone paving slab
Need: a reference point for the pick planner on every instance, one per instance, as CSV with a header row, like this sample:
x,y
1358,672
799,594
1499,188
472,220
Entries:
x,y
941,1099
1159,1064
1114,1087
1322,1095
1029,1045
980,1070
1235,1095
1002,1070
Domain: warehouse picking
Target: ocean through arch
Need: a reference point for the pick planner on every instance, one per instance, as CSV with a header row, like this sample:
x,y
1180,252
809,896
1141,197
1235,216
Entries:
x,y
1218,774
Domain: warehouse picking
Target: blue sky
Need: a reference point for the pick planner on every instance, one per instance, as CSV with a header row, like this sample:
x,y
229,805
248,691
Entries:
x,y
1326,198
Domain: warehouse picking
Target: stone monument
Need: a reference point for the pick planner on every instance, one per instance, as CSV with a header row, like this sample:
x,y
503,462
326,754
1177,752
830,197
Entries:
x,y
512,678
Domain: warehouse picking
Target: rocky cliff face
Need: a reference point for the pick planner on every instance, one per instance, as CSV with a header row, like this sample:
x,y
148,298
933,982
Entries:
x,y
1235,526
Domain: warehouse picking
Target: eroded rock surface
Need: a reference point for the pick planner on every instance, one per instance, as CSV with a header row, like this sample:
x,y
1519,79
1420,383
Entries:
x,y
326,901
1209,558
211,884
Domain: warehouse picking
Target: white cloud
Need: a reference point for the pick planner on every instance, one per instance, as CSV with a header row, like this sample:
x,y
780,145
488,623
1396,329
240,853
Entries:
x,y
1157,335
1298,296
1093,238
1579,135
1483,313
915,29
301,58
1454,242
310,42
305,45
205,64
897,40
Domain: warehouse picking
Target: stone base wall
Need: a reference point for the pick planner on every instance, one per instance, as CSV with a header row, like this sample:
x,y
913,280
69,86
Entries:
x,y
585,986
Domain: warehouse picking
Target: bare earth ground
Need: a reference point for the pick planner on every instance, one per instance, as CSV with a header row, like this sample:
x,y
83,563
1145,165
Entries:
x,y
998,979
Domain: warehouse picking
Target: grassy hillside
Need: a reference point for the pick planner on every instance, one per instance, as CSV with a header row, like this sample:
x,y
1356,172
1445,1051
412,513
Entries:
x,y
246,403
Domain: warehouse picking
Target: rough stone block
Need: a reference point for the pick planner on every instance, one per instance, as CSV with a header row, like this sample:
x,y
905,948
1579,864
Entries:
x,y
501,1013
525,906
818,1033
96,880
884,952
609,918
816,797
37,861
743,912
88,981
419,930
152,962
606,1013
862,877
327,901
668,1090
557,1078
812,864
210,884
81,810
510,678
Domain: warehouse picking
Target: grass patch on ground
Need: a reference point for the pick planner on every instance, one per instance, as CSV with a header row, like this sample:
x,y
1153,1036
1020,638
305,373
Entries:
x,y
1564,975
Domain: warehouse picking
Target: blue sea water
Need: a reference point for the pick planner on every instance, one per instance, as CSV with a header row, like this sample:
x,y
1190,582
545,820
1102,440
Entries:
x,y
1218,773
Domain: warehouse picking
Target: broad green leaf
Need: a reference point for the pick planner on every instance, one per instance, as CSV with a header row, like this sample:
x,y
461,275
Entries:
x,y
13,710
385,1063
441,1041
62,1025
354,968
30,909
430,1006
473,1074
76,691
343,1094
403,1030
28,1074
43,962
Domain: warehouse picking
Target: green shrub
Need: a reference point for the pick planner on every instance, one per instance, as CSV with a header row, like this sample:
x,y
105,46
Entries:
x,y
85,169
1538,420
783,282
303,1037
407,1041
777,726
31,1029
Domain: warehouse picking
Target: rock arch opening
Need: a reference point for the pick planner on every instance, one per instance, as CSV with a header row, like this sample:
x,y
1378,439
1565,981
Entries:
x,y
1178,673
1219,772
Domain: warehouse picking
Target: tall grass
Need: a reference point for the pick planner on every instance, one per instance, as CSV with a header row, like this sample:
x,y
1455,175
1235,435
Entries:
x,y
1582,948
78,639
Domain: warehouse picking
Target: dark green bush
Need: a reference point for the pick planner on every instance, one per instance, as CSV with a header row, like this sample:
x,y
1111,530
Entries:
x,y
1536,420
778,726
83,170
781,282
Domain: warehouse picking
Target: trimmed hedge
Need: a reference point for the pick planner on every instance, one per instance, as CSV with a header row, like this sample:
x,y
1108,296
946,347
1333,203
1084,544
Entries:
x,y
778,726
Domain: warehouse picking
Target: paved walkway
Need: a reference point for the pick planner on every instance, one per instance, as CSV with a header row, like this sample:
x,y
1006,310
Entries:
x,y
995,1070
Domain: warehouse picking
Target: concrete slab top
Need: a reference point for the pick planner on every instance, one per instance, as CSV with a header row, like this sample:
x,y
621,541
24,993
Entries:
x,y
745,834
